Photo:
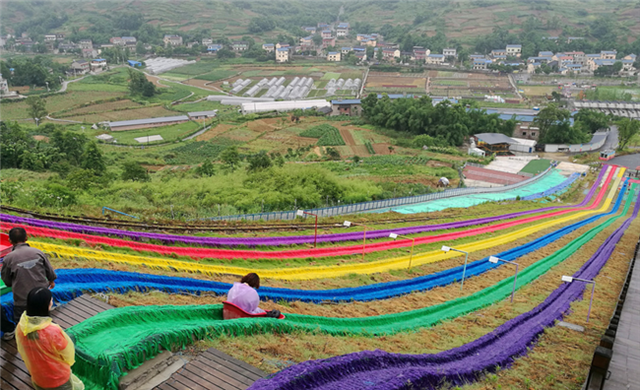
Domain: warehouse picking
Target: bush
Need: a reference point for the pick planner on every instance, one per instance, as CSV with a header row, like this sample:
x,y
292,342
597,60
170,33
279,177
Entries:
x,y
327,134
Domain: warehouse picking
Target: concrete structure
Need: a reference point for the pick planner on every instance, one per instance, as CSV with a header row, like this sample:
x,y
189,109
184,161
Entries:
x,y
86,44
80,66
494,142
240,46
202,114
284,106
328,42
597,141
147,123
436,59
282,54
214,47
450,53
351,107
326,33
172,40
481,63
98,64
4,86
623,109
342,30
105,138
514,50
268,47
207,41
333,56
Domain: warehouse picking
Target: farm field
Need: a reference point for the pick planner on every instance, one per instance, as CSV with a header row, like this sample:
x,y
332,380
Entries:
x,y
168,133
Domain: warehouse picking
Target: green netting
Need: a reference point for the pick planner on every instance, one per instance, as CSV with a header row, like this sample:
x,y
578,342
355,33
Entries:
x,y
536,166
118,340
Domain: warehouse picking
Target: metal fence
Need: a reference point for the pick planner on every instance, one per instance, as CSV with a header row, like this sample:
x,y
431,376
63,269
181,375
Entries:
x,y
376,204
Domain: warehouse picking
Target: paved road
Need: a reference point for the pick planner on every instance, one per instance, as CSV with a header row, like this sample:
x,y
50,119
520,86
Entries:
x,y
612,139
629,161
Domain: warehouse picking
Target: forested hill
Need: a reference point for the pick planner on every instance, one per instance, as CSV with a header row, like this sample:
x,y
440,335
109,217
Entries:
x,y
461,21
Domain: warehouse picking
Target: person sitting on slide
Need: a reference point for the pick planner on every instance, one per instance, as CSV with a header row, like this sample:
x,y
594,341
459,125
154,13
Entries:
x,y
244,295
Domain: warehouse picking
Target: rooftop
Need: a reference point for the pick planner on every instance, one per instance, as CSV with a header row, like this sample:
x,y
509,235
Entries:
x,y
148,121
202,113
495,138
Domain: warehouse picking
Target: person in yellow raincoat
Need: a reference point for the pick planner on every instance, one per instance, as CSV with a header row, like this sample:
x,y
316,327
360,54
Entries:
x,y
46,349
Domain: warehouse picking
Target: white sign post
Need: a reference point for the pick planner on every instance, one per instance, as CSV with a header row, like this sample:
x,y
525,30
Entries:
x,y
466,259
495,260
570,279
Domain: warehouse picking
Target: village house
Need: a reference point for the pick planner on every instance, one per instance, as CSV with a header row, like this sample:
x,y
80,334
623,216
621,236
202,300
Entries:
x,y
450,53
499,58
98,64
514,50
571,39
328,42
86,44
326,34
346,50
631,57
306,42
282,54
420,54
80,67
333,56
342,30
239,46
390,54
555,39
627,65
435,59
65,47
280,45
323,25
578,57
608,55
599,62
361,56
498,52
369,42
351,107
50,37
268,47
59,37
565,60
590,61
309,30
481,63
574,68
172,40
89,53
214,47
207,41
116,41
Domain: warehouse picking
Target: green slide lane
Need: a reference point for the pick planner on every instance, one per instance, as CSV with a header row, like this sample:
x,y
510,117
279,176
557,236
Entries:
x,y
115,341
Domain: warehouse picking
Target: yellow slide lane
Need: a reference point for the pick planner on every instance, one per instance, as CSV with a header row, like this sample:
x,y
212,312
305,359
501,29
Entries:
x,y
305,273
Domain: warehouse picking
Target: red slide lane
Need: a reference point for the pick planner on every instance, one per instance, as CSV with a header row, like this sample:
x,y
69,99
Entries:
x,y
201,253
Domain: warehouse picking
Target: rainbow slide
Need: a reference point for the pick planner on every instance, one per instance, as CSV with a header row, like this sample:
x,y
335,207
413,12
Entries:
x,y
117,340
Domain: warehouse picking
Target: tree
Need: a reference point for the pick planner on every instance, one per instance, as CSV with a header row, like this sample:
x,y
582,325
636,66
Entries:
x,y
92,160
206,169
36,108
225,53
139,85
627,129
379,54
549,116
230,157
261,24
70,144
592,120
332,153
259,161
369,52
317,39
133,171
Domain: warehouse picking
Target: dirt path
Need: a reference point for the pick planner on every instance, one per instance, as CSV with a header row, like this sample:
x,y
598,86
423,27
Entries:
x,y
347,136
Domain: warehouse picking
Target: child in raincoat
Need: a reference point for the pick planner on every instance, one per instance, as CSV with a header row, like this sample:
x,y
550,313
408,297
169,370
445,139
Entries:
x,y
46,349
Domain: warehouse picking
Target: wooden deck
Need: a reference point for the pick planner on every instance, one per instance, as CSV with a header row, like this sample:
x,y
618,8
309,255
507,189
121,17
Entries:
x,y
14,374
213,370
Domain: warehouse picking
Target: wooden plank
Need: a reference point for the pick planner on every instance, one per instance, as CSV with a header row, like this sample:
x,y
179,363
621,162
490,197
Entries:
x,y
232,365
5,385
16,382
67,316
223,373
164,386
248,367
190,383
216,376
20,376
97,303
177,385
79,309
86,307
